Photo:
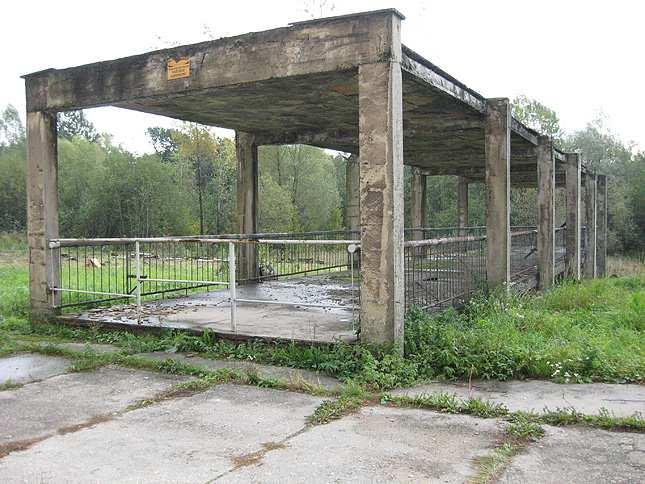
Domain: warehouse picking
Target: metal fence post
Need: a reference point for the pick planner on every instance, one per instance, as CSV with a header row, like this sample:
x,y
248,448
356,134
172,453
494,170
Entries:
x,y
138,275
232,283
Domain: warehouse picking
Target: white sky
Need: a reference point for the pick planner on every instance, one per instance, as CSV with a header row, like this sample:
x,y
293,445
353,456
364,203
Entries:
x,y
577,57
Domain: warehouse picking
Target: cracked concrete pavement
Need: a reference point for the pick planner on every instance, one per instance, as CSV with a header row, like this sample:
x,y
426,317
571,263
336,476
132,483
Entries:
x,y
86,427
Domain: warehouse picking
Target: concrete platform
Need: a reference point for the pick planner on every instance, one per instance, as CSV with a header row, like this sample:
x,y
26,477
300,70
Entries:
x,y
536,395
211,311
574,455
379,445
268,371
45,408
192,439
27,368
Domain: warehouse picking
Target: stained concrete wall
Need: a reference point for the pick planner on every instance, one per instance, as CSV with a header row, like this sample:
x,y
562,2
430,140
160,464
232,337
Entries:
x,y
601,231
42,210
590,221
573,220
246,150
546,213
498,191
462,202
418,202
381,182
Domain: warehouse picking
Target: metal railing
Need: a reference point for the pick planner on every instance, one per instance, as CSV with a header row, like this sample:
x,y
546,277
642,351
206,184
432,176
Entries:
x,y
443,271
100,271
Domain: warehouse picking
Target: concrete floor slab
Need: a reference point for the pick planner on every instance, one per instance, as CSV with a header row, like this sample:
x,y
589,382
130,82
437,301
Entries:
x,y
44,408
536,395
193,439
268,371
26,368
379,444
575,455
211,310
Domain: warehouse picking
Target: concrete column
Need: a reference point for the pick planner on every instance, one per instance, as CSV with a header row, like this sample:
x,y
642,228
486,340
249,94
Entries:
x,y
498,191
546,213
573,220
352,188
590,222
418,202
381,176
42,211
601,235
246,150
462,202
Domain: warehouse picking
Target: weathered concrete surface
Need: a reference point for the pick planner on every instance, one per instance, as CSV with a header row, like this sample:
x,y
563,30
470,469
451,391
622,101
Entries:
x,y
192,439
352,190
601,229
28,367
575,455
246,150
591,214
498,191
380,123
574,221
40,409
379,445
42,210
462,202
269,371
212,311
546,213
621,400
418,202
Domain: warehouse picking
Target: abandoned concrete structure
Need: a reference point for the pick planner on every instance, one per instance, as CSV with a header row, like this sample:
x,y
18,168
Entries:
x,y
345,83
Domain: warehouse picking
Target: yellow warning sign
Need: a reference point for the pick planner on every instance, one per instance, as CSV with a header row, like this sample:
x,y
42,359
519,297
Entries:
x,y
178,68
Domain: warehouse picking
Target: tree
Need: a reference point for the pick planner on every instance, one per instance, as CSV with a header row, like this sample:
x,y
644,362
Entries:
x,y
74,123
12,130
164,142
537,116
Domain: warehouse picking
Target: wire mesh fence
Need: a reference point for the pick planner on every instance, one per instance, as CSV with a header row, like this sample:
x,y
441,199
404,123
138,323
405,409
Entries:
x,y
523,252
443,272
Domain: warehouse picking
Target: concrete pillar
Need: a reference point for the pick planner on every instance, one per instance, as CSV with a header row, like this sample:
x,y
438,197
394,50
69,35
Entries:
x,y
573,220
601,235
352,188
246,150
418,203
381,180
546,213
590,222
42,211
498,191
462,202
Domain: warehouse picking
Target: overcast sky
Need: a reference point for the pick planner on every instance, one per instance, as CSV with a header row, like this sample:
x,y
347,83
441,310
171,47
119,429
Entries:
x,y
578,57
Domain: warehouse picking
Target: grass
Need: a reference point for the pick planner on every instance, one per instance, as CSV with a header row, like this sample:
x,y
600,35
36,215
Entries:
x,y
522,425
577,332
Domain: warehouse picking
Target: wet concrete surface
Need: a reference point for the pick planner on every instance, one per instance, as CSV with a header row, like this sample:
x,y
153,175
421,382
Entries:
x,y
212,310
25,368
536,395
291,375
576,455
43,408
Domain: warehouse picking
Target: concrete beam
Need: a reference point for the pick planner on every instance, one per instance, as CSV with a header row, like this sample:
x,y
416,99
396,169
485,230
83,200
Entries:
x,y
323,45
462,202
418,201
601,244
591,223
546,213
498,191
381,175
352,189
573,220
246,150
42,211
